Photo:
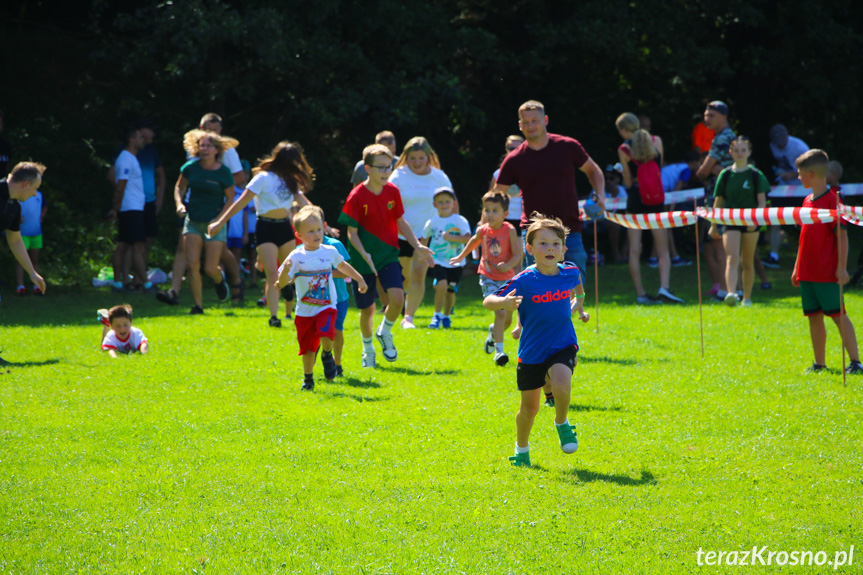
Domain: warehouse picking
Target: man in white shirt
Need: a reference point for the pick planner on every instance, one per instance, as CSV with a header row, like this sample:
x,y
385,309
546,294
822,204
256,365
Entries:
x,y
785,149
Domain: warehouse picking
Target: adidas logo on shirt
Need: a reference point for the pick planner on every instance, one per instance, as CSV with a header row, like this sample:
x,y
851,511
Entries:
x,y
549,296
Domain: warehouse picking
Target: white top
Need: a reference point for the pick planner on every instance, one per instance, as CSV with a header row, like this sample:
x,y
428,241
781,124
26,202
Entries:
x,y
418,195
127,168
443,249
271,193
132,343
312,272
514,193
231,158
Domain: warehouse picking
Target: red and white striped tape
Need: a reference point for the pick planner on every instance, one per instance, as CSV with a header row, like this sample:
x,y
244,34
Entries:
x,y
653,221
768,216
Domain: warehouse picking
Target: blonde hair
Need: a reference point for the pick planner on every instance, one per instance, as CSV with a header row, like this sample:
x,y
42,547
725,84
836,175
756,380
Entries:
x,y
418,144
373,151
814,160
305,214
26,172
540,221
642,147
627,121
192,140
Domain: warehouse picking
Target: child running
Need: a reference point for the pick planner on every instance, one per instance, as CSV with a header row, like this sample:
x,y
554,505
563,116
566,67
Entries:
x,y
820,268
118,335
374,215
545,295
310,266
501,253
743,186
444,234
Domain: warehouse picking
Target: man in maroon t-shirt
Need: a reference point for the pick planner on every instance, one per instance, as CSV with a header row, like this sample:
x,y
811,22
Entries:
x,y
544,167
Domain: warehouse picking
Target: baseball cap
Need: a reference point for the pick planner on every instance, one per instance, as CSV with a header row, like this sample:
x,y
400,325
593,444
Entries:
x,y
718,106
443,190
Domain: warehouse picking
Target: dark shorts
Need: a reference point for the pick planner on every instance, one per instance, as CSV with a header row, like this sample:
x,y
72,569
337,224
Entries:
x,y
741,229
405,249
341,314
235,243
634,205
278,232
820,297
390,277
131,227
150,224
517,225
252,241
532,375
451,275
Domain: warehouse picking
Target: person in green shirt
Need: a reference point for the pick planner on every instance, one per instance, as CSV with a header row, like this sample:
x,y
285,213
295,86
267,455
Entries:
x,y
211,194
739,186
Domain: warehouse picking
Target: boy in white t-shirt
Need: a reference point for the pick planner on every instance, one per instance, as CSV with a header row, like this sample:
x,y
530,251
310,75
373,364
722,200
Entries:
x,y
310,268
445,234
118,335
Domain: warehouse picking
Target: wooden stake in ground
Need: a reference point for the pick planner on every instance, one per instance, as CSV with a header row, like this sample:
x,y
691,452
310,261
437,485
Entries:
x,y
841,302
698,272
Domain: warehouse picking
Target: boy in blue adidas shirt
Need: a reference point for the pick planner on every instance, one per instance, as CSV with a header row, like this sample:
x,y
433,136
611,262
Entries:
x,y
545,294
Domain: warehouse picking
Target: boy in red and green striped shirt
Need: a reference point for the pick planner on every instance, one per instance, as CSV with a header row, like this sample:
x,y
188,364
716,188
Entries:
x,y
374,215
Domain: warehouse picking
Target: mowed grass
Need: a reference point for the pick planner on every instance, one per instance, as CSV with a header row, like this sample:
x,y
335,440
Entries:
x,y
205,457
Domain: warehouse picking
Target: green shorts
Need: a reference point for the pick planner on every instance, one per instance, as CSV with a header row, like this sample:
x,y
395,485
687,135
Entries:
x,y
32,242
820,297
200,229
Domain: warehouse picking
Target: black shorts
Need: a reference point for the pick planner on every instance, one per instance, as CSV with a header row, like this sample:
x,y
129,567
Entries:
x,y
532,375
277,232
252,241
451,275
634,205
517,225
405,249
150,226
131,227
741,229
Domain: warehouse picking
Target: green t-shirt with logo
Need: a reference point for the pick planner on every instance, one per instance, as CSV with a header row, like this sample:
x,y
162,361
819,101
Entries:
x,y
741,189
206,190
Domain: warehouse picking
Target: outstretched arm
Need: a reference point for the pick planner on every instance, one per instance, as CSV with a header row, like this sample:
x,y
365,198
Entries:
x,y
19,250
472,243
509,302
577,303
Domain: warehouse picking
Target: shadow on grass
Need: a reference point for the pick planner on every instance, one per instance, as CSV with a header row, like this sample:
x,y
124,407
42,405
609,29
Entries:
x,y
580,408
354,382
606,359
357,398
28,363
585,476
409,371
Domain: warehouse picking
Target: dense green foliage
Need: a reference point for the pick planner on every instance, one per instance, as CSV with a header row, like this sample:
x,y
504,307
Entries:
x,y
205,457
332,73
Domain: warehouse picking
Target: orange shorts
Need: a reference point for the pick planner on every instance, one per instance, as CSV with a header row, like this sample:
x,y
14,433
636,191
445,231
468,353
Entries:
x,y
310,329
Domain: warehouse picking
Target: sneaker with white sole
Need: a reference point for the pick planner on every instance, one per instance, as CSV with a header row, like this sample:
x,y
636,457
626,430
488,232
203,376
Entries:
x,y
731,299
435,322
489,341
770,262
667,296
568,438
369,359
501,358
746,303
387,345
102,317
680,261
408,323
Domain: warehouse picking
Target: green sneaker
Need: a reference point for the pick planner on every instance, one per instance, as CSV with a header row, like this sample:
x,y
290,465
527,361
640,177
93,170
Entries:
x,y
520,459
568,439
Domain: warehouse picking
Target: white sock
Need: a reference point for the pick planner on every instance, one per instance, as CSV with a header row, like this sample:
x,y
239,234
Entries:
x,y
368,345
387,326
774,255
520,449
437,314
498,347
565,422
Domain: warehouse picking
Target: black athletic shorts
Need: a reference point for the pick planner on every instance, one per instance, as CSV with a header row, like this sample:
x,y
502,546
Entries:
x,y
532,375
277,232
451,275
634,205
405,249
131,227
150,226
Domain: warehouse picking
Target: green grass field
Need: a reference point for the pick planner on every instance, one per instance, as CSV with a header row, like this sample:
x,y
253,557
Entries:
x,y
205,457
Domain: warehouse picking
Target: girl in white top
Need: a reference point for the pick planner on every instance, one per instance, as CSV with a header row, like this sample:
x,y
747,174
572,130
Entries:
x,y
417,175
278,181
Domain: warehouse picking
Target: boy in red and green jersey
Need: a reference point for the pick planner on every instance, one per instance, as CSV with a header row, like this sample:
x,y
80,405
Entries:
x,y
374,215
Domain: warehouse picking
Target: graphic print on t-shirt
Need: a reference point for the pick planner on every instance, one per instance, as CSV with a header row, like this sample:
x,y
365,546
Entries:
x,y
318,292
494,248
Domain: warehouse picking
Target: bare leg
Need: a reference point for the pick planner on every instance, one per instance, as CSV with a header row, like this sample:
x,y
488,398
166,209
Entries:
x,y
367,318
635,260
268,254
818,334
118,262
417,284
849,336
394,308
560,378
731,243
338,346
748,243
180,262
526,414
140,261
192,249
309,361
440,296
660,242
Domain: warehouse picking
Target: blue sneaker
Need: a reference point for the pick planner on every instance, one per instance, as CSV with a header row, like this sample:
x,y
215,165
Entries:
x,y
446,322
435,322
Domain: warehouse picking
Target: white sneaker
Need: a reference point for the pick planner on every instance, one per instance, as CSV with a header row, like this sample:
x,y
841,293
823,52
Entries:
x,y
489,341
666,295
731,299
746,303
369,359
407,324
387,345
501,358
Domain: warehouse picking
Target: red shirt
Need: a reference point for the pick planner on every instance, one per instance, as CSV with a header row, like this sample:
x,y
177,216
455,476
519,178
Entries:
x,y
702,137
496,249
375,217
818,254
547,179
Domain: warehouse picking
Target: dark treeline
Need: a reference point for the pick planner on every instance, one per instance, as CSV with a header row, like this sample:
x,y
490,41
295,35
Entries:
x,y
331,73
